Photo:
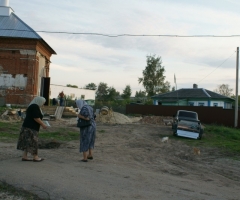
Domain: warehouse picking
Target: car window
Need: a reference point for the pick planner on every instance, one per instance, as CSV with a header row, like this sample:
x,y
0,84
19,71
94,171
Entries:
x,y
187,114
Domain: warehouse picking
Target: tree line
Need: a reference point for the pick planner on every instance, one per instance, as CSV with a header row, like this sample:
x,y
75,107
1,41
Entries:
x,y
153,81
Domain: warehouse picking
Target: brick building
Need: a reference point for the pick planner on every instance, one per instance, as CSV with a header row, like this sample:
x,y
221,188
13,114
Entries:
x,y
24,60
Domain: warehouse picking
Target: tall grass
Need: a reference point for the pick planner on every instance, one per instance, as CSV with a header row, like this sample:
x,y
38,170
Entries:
x,y
224,138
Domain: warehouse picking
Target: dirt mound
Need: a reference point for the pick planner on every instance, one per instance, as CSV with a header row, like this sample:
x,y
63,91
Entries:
x,y
113,118
156,120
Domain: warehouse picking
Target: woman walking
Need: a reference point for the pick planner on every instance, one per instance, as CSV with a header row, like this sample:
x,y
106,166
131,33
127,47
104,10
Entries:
x,y
28,138
87,134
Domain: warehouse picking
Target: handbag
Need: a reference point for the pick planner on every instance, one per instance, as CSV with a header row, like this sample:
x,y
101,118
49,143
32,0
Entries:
x,y
83,123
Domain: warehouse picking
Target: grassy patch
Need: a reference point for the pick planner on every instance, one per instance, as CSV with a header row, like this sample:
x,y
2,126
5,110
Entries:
x,y
10,132
224,138
60,135
101,131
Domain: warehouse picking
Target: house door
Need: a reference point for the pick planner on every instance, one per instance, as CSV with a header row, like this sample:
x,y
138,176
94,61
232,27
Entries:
x,y
45,89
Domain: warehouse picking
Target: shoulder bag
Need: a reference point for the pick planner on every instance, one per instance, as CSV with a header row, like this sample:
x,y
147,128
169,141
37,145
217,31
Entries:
x,y
83,123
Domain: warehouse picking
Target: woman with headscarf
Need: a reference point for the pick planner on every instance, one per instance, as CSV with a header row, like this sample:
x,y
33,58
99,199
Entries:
x,y
87,134
28,138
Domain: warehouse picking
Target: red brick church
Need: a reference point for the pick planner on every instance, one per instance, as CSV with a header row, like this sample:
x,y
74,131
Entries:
x,y
24,60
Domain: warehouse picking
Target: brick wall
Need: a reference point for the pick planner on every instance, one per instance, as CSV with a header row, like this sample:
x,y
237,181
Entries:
x,y
13,62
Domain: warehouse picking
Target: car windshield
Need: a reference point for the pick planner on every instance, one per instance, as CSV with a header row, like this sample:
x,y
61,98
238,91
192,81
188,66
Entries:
x,y
188,114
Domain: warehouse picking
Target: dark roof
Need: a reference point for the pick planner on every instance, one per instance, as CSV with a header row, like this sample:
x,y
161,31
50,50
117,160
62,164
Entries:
x,y
12,26
191,93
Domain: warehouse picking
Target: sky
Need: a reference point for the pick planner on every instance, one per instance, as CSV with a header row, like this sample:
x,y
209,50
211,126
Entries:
x,y
119,61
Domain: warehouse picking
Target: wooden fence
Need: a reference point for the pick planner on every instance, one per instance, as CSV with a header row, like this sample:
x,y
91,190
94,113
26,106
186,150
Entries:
x,y
207,115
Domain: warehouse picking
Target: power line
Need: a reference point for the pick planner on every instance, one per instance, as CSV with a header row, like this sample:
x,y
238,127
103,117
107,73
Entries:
x,y
217,67
121,35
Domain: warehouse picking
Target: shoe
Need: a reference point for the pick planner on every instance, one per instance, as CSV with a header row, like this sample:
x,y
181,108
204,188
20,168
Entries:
x,y
90,158
84,160
40,160
24,159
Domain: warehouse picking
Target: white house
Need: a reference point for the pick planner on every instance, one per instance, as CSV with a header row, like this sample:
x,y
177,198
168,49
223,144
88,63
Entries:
x,y
73,93
193,97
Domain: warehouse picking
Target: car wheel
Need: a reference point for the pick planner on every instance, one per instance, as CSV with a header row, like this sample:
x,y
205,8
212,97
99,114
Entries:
x,y
200,135
174,133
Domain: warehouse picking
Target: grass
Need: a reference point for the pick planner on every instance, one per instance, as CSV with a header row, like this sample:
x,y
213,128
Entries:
x,y
60,135
224,138
10,132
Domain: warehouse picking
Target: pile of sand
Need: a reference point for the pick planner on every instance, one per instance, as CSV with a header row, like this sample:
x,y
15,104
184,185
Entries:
x,y
116,118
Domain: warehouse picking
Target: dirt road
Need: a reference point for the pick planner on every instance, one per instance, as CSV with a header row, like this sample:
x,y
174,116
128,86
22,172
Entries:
x,y
130,162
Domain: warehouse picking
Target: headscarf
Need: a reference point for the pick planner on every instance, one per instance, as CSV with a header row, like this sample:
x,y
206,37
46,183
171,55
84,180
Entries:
x,y
80,103
39,101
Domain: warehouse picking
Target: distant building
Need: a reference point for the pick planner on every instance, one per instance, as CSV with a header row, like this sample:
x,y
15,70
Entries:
x,y
193,97
73,93
24,60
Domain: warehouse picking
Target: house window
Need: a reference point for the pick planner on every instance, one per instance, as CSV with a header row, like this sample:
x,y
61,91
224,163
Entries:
x,y
83,97
200,104
215,104
191,104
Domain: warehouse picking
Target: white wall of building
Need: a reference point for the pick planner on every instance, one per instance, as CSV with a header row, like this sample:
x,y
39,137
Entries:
x,y
205,103
41,72
75,93
8,81
217,103
198,103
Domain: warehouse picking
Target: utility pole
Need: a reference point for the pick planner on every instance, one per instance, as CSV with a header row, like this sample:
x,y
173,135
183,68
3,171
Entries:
x,y
236,99
176,88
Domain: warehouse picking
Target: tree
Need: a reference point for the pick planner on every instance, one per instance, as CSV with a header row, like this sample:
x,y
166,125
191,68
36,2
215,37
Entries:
x,y
140,94
102,92
73,86
224,89
91,86
112,94
127,92
153,77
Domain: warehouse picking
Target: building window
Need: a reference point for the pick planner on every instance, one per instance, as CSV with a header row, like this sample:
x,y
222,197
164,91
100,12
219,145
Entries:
x,y
200,104
215,104
83,97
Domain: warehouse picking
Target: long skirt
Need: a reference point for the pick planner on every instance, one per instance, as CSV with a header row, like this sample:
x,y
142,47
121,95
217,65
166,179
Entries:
x,y
28,141
87,138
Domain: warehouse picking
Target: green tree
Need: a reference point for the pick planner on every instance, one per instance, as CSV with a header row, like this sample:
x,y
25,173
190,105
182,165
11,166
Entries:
x,y
112,94
153,77
165,87
102,92
91,86
224,89
140,94
127,92
73,86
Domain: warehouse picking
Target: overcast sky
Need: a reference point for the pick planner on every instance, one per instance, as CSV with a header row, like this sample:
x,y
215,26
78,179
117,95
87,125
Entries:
x,y
119,61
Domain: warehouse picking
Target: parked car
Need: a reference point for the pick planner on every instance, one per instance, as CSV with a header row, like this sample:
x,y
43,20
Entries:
x,y
186,124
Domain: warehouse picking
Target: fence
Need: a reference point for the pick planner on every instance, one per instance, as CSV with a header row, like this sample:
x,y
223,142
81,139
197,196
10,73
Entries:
x,y
208,115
